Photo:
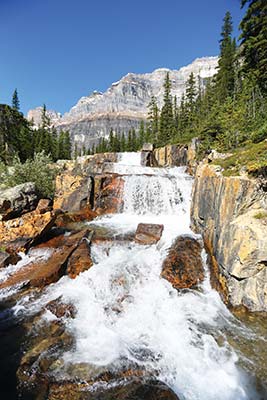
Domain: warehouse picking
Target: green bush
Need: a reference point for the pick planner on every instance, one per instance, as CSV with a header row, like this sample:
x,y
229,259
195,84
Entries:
x,y
38,170
260,134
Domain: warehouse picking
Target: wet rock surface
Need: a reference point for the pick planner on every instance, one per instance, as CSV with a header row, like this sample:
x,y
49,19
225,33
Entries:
x,y
108,194
44,272
148,233
131,390
183,265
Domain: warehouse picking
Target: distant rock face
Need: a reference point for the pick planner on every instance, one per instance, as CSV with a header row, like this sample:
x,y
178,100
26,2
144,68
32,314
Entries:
x,y
124,104
35,115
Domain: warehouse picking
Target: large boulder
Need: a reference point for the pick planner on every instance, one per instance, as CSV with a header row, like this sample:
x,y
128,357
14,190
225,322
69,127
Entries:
x,y
183,266
26,229
73,191
148,233
17,200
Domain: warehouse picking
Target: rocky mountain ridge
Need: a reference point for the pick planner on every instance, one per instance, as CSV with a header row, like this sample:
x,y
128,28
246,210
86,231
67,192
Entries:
x,y
124,104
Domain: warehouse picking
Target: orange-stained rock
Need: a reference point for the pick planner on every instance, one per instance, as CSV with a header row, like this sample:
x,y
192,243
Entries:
x,y
85,214
42,273
43,206
148,233
80,260
108,193
73,191
183,266
27,227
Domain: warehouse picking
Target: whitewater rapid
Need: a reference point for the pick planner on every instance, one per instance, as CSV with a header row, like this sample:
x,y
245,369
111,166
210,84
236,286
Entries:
x,y
126,311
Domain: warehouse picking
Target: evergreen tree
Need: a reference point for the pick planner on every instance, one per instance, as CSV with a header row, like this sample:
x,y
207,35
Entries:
x,y
141,138
129,143
190,93
111,140
166,129
123,142
225,78
254,40
15,100
153,120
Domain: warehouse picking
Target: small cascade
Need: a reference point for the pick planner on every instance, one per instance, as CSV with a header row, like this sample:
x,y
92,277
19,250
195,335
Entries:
x,y
129,159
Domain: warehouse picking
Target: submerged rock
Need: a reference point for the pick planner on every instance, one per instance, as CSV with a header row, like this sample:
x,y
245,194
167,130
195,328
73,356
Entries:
x,y
148,233
17,200
60,309
130,390
183,266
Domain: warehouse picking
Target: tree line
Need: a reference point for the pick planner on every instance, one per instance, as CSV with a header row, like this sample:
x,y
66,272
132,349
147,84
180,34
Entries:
x,y
18,137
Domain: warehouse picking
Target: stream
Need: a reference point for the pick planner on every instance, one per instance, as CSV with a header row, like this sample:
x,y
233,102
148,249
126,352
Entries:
x,y
187,339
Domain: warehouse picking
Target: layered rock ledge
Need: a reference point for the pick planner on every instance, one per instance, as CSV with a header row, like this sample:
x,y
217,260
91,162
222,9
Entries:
x,y
230,213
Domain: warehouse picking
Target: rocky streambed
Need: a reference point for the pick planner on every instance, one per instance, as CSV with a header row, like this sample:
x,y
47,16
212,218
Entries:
x,y
108,294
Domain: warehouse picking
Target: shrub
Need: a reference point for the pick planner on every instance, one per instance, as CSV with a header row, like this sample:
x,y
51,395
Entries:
x,y
260,134
38,170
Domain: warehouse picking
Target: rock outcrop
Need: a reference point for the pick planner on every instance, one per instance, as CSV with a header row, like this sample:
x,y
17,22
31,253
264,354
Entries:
x,y
229,213
84,189
183,266
124,104
70,254
26,229
17,200
178,155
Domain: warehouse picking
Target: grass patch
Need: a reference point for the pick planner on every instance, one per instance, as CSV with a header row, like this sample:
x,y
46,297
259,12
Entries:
x,y
251,156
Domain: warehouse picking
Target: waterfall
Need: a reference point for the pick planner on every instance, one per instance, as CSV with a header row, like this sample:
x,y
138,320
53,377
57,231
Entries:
x,y
126,311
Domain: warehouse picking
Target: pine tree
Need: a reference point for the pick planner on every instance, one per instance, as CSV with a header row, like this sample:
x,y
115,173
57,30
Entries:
x,y
129,144
153,119
254,40
190,96
15,100
123,142
166,129
225,79
141,138
111,141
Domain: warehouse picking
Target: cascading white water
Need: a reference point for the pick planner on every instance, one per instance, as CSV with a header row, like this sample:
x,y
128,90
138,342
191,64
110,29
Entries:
x,y
132,158
125,310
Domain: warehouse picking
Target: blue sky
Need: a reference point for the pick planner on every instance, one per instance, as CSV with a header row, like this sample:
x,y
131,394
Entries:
x,y
56,51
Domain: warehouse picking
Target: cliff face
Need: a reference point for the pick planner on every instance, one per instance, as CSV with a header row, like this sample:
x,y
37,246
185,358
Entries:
x,y
125,103
229,213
